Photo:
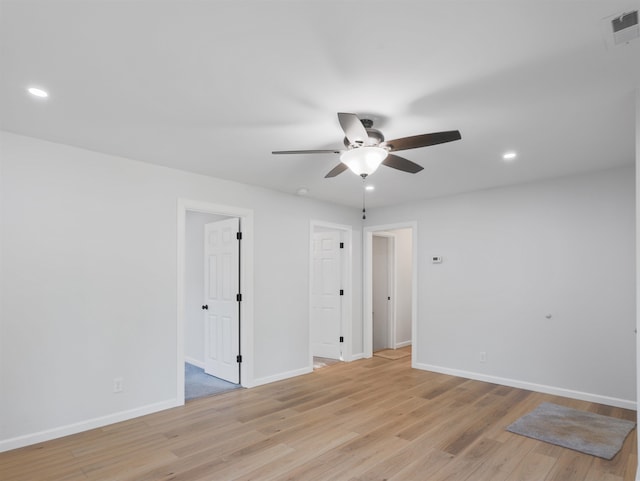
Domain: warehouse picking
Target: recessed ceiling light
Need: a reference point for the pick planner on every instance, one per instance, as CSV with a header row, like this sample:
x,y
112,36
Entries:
x,y
36,92
302,191
509,155
370,188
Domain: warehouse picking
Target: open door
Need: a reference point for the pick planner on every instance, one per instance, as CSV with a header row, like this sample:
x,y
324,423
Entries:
x,y
326,292
221,308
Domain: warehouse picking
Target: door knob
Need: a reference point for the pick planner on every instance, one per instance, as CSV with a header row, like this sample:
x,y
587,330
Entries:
x,y
205,307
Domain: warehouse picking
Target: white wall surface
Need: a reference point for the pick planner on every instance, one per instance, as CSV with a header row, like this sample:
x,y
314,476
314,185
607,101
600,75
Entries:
x,y
194,284
89,284
637,249
403,263
512,256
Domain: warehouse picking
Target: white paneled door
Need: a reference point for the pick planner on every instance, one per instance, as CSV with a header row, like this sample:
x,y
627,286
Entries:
x,y
221,311
326,308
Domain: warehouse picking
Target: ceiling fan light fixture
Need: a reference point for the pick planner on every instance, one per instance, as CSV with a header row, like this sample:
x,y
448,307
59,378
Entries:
x,y
364,161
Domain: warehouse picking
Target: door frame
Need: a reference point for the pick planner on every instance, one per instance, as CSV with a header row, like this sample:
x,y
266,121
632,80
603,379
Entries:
x,y
346,269
391,284
367,331
246,285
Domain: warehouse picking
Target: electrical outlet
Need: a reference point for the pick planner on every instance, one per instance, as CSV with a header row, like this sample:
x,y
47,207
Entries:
x,y
118,384
483,356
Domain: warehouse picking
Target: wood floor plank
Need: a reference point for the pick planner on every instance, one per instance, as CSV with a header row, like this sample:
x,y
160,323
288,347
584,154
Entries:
x,y
397,463
532,467
304,452
368,420
499,464
596,476
570,465
424,467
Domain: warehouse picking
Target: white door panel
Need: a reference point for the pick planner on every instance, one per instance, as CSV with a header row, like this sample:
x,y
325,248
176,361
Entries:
x,y
221,284
326,307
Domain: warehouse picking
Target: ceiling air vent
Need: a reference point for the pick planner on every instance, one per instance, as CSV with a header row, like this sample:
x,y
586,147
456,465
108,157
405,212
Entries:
x,y
625,27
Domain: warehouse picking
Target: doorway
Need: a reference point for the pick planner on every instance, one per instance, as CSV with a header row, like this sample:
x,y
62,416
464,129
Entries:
x,y
211,315
194,318
390,281
383,291
330,293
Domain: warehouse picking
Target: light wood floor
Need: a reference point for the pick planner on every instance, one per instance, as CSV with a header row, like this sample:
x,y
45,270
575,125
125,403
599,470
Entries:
x,y
372,419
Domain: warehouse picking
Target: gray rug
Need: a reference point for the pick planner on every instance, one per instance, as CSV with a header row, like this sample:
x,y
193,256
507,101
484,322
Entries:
x,y
582,431
197,384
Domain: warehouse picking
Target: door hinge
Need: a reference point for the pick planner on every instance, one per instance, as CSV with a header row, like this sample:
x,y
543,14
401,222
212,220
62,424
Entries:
x,y
239,235
341,338
239,297
238,358
342,292
341,245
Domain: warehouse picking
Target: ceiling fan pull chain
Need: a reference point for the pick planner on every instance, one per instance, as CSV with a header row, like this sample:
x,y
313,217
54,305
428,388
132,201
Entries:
x,y
364,196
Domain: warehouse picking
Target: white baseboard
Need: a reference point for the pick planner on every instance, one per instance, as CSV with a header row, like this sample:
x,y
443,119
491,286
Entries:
x,y
403,344
558,391
194,362
278,377
49,434
355,357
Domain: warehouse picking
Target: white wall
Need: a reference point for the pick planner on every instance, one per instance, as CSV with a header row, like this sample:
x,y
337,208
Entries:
x,y
194,285
512,256
403,263
89,284
637,251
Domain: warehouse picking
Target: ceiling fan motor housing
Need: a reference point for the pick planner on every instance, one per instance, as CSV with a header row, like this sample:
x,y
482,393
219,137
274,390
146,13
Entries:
x,y
375,136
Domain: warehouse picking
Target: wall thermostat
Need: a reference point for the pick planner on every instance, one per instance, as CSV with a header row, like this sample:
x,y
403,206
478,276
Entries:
x,y
436,260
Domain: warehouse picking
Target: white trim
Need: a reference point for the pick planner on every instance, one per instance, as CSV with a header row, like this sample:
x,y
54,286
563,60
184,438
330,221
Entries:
x,y
347,273
637,185
392,259
279,377
246,285
194,362
355,357
367,303
543,388
402,344
49,434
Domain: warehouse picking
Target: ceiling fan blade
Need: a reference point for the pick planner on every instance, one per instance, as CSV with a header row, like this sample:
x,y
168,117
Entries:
x,y
306,152
423,140
354,131
338,169
400,163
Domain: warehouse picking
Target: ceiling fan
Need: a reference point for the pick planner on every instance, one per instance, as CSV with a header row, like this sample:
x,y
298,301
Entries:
x,y
366,148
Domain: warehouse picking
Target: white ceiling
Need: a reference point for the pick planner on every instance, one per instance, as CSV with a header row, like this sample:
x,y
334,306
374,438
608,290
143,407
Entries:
x,y
214,86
